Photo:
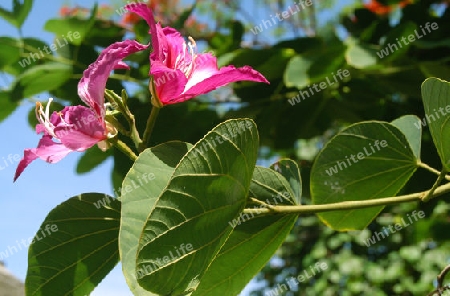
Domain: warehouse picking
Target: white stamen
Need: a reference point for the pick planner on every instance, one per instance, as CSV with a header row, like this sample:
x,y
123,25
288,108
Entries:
x,y
44,117
192,48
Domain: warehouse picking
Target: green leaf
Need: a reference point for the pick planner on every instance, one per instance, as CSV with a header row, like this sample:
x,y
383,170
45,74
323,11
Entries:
x,y
91,159
19,13
7,106
41,78
365,161
71,30
297,72
75,258
411,127
436,100
289,169
361,56
397,41
261,60
254,239
435,69
10,49
103,33
314,66
189,222
30,54
145,181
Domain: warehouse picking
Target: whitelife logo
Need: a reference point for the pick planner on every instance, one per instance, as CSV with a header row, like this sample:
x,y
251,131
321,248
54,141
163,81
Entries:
x,y
323,85
53,47
293,282
361,155
161,262
390,48
398,226
11,160
430,118
293,9
49,228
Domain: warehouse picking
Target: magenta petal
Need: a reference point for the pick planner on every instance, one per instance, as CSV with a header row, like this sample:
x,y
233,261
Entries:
x,y
28,156
77,140
223,77
50,151
46,150
92,85
144,11
169,83
80,128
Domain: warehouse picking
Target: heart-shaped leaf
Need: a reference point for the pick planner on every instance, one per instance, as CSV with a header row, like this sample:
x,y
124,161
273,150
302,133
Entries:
x,y
436,100
189,222
140,189
254,239
289,169
410,126
75,247
365,161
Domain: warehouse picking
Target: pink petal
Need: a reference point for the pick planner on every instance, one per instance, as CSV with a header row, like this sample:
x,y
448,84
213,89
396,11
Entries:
x,y
92,85
169,83
46,150
28,156
222,77
145,12
80,128
50,151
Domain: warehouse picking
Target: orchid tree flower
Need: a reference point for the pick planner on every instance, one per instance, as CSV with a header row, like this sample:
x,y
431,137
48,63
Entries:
x,y
178,72
77,128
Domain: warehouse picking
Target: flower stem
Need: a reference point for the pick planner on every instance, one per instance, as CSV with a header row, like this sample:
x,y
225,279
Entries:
x,y
124,148
120,104
149,128
435,185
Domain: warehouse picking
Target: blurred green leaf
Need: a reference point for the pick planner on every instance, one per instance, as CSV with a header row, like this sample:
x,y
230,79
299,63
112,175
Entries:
x,y
361,56
91,159
179,23
41,78
10,49
7,105
71,30
398,41
19,13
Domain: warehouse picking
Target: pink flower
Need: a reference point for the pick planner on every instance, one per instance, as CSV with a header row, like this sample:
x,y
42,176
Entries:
x,y
178,72
77,128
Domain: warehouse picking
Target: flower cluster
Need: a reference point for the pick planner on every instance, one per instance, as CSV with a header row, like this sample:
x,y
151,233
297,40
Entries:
x,y
77,128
